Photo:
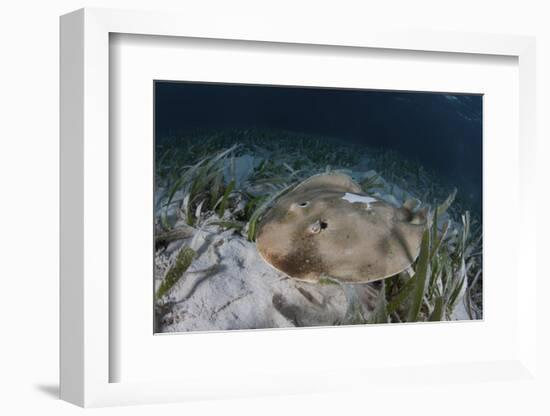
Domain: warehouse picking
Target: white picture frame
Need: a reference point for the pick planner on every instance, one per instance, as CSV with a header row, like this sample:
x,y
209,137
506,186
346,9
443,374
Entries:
x,y
86,356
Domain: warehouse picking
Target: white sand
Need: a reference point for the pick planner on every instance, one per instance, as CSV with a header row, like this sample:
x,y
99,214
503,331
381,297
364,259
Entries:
x,y
229,286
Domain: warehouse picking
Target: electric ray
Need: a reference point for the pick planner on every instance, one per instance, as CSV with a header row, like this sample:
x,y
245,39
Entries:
x,y
327,227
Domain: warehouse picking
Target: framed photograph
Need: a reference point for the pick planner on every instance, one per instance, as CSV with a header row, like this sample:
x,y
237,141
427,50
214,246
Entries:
x,y
281,206
268,212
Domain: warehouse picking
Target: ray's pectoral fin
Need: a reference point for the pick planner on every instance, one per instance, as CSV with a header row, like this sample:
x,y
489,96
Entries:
x,y
420,217
411,213
411,204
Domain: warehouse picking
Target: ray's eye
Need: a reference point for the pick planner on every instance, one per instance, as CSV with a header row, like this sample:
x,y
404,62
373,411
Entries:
x,y
315,228
303,204
318,226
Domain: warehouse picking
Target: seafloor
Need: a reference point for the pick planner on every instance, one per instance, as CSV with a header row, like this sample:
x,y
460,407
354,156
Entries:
x,y
212,188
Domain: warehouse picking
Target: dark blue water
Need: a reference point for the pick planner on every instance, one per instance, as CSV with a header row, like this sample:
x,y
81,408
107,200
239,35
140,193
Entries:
x,y
441,131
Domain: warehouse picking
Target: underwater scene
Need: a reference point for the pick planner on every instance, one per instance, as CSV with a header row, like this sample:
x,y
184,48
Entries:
x,y
281,206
